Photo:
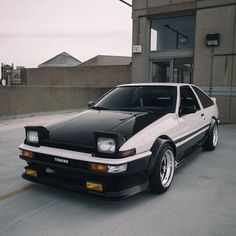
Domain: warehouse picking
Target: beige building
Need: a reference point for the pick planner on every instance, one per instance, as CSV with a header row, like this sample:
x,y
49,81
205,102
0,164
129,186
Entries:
x,y
107,60
192,41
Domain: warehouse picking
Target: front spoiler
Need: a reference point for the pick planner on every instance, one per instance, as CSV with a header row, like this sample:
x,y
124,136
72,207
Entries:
x,y
111,195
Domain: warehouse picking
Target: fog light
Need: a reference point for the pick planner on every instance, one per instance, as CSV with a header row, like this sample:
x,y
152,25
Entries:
x,y
26,153
94,186
31,172
116,169
98,167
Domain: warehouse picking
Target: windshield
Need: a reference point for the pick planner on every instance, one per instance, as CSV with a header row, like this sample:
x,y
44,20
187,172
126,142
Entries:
x,y
134,98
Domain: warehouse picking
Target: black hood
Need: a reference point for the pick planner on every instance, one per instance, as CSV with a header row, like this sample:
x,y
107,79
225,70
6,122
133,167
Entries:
x,y
79,130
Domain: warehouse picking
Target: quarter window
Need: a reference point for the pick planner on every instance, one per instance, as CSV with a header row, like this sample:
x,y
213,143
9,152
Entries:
x,y
205,100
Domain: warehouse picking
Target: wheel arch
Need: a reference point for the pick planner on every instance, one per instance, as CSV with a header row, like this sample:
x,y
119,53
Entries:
x,y
156,147
215,119
208,140
211,125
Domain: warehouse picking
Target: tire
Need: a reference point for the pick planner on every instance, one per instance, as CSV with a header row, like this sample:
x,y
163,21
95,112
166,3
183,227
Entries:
x,y
212,139
163,171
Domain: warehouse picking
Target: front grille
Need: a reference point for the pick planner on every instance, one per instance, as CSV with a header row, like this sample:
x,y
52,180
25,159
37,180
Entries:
x,y
47,160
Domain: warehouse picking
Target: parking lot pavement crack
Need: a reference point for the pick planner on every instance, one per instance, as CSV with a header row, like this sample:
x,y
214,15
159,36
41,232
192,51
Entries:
x,y
26,217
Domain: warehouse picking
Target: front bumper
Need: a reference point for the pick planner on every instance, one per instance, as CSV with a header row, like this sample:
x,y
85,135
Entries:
x,y
76,173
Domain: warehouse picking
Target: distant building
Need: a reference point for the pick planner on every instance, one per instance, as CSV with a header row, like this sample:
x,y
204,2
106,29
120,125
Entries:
x,y
11,76
61,60
105,60
19,76
99,71
6,74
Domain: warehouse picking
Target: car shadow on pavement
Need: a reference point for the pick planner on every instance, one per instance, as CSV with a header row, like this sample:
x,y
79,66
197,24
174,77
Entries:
x,y
74,198
92,201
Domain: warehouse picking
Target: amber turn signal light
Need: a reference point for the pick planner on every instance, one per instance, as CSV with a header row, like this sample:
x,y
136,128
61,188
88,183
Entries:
x,y
94,186
98,167
31,172
128,153
26,153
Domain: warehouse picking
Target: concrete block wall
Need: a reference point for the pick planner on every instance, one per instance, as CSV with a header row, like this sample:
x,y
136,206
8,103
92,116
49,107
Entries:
x,y
84,76
27,99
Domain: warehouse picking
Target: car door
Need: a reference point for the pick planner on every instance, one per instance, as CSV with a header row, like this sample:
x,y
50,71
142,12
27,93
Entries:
x,y
191,120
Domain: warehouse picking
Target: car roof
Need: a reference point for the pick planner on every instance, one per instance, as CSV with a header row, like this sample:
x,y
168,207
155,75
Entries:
x,y
153,84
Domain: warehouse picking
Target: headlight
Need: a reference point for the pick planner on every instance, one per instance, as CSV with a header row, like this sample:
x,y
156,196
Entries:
x,y
32,136
106,145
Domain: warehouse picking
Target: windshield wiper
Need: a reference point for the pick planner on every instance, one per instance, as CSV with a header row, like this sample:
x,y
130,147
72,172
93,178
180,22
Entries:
x,y
99,108
138,110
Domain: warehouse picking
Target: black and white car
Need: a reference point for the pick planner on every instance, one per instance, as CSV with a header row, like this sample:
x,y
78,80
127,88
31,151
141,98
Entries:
x,y
130,140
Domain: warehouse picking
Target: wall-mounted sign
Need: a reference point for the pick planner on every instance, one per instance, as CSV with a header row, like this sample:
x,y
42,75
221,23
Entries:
x,y
213,40
137,48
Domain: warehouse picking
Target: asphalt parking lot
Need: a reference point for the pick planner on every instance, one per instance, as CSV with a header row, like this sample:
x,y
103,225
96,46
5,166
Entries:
x,y
201,200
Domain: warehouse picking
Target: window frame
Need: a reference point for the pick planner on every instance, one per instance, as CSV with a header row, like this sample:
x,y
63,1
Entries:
x,y
199,107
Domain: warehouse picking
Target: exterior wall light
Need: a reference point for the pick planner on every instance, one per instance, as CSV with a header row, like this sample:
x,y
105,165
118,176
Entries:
x,y
213,40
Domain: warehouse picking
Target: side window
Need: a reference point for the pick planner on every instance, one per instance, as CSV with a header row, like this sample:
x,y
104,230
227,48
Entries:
x,y
205,100
188,101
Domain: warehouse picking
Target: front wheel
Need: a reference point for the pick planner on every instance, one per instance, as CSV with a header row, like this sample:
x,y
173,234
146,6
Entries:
x,y
212,139
163,172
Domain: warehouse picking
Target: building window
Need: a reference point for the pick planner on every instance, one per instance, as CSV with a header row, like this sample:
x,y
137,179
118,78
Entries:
x,y
172,33
183,70
161,71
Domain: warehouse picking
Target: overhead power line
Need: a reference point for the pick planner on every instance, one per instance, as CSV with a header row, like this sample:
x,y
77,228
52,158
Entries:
x,y
126,3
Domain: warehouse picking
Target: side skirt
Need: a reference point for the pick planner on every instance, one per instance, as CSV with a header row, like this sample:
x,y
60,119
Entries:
x,y
189,153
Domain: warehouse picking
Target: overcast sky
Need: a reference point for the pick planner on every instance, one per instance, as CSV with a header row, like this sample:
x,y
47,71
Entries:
x,y
33,31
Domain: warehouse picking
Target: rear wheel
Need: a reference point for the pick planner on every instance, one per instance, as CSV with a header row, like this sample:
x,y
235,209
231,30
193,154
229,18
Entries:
x,y
163,172
212,139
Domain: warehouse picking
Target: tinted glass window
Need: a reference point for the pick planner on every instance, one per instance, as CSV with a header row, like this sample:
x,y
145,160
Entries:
x,y
187,98
205,100
154,98
172,33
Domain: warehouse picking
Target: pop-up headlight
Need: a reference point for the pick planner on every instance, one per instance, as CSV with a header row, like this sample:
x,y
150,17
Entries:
x,y
32,136
106,145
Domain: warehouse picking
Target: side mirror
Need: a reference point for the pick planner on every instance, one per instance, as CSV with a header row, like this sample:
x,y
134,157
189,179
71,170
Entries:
x,y
90,104
184,110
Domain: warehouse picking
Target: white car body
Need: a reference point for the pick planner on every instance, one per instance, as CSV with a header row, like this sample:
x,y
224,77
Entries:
x,y
173,136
